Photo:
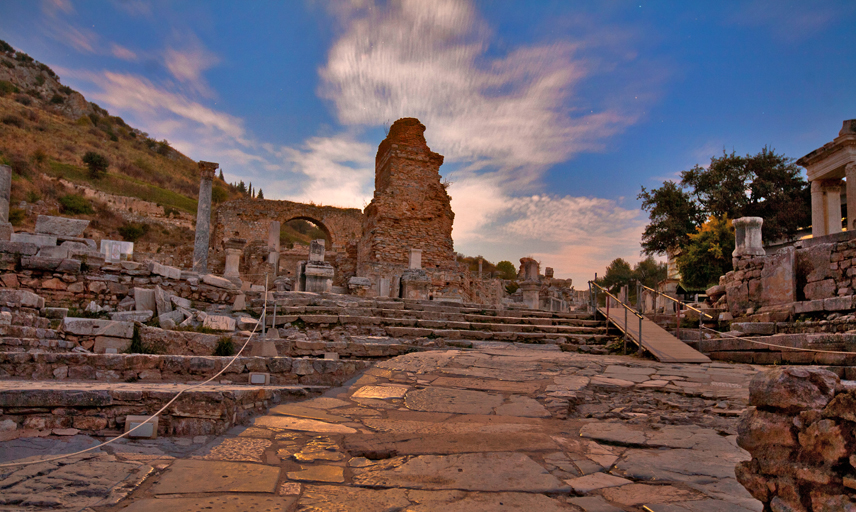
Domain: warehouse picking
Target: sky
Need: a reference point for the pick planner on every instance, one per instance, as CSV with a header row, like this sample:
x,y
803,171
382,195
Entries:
x,y
551,115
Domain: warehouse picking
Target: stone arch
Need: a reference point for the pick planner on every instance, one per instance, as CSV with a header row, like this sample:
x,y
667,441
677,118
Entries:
x,y
251,219
328,243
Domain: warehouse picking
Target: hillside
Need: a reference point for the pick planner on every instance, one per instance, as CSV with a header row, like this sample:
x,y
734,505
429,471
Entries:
x,y
46,128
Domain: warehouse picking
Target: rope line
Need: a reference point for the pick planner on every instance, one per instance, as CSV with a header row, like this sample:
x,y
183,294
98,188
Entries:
x,y
156,414
798,349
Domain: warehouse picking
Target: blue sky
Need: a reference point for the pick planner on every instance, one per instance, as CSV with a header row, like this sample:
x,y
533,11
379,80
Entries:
x,y
551,115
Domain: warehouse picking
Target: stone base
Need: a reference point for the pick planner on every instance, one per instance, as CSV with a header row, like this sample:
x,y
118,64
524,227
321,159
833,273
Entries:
x,y
5,231
530,290
415,284
263,349
318,276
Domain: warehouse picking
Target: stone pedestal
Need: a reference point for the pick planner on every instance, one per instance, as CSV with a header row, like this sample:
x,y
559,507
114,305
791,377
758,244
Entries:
x,y
263,348
747,237
234,250
530,291
531,269
318,277
359,286
5,195
415,284
273,245
415,258
203,217
383,287
825,207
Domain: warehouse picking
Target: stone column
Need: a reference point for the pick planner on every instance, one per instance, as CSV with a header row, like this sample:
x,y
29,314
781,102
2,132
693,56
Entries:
x,y
5,196
747,234
850,174
234,250
825,207
203,218
273,245
480,268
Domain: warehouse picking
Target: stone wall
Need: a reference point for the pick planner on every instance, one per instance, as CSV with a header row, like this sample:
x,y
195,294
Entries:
x,y
816,278
410,208
250,219
800,432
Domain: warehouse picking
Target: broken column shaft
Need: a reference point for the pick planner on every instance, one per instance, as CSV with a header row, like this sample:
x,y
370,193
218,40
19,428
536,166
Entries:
x,y
203,218
5,197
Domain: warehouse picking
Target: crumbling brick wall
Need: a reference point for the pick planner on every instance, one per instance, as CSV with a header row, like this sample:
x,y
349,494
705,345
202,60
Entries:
x,y
410,208
800,432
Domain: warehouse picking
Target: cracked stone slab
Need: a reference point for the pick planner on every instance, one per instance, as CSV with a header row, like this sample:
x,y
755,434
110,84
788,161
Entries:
x,y
460,401
238,449
299,411
523,406
193,476
678,465
321,473
230,503
302,424
445,444
381,392
471,471
595,481
486,385
645,494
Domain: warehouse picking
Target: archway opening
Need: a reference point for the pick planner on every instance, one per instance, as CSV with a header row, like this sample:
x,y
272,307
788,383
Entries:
x,y
301,231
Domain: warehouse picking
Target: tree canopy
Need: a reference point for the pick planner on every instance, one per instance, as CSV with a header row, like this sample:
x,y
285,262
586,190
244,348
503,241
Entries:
x,y
708,253
507,269
619,273
766,185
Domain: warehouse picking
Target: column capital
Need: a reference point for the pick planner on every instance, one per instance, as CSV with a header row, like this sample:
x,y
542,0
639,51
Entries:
x,y
206,169
850,168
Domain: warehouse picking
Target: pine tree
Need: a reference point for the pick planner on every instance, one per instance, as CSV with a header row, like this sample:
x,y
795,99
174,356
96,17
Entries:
x,y
261,195
241,187
250,187
221,175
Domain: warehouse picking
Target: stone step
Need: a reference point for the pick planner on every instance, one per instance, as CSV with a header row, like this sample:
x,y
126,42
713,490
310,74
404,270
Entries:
x,y
331,320
76,366
13,344
23,331
101,408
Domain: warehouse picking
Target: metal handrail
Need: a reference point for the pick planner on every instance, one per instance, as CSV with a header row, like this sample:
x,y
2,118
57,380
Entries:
x,y
617,300
677,300
626,309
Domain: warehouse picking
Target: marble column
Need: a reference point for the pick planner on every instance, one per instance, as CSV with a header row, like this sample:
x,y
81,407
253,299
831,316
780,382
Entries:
x,y
825,207
850,174
273,245
5,196
203,217
747,237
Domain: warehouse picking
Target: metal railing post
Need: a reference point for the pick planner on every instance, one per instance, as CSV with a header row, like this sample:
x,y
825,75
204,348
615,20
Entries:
x,y
677,320
626,328
639,352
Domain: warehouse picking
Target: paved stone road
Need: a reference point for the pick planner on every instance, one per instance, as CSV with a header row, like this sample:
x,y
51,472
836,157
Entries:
x,y
502,427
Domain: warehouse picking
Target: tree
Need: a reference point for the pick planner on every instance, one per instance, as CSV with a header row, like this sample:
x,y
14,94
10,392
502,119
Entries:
x,y
649,272
708,254
219,194
618,273
260,195
507,270
241,187
97,164
673,214
221,175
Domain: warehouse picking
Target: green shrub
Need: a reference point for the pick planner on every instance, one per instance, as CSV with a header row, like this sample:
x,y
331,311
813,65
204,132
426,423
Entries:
x,y
97,164
56,99
7,87
511,287
8,64
32,196
17,216
138,347
40,80
23,57
76,204
23,99
224,347
132,232
65,90
219,194
6,47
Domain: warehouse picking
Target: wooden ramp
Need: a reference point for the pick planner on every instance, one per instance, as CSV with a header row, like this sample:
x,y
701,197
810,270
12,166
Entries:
x,y
656,340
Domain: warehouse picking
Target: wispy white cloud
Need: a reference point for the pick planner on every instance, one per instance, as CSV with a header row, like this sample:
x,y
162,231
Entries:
x,y
791,20
120,52
430,60
53,7
187,61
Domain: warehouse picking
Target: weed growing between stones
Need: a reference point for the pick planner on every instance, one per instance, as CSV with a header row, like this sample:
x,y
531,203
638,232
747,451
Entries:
x,y
224,347
138,347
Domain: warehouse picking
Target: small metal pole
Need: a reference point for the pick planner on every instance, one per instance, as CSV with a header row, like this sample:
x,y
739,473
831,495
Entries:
x,y
626,328
639,352
264,313
700,319
677,320
273,324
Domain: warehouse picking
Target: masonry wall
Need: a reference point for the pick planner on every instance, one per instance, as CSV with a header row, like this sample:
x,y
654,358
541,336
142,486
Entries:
x,y
799,431
410,208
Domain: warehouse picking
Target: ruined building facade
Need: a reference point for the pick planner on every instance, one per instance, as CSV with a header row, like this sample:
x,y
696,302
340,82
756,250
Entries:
x,y
410,213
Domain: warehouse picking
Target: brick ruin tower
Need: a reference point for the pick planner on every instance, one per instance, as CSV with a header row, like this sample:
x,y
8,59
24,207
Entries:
x,y
410,208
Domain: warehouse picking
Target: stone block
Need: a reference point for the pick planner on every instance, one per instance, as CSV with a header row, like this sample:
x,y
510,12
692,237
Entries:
x,y
820,289
40,397
44,264
762,328
838,303
163,303
240,303
115,250
144,299
176,317
808,306
69,266
218,282
22,248
261,348
59,313
95,327
793,389
813,262
219,323
142,426
180,302
20,299
164,270
60,226
102,343
37,240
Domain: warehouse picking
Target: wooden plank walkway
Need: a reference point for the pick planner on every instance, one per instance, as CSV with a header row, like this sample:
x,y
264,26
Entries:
x,y
656,340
